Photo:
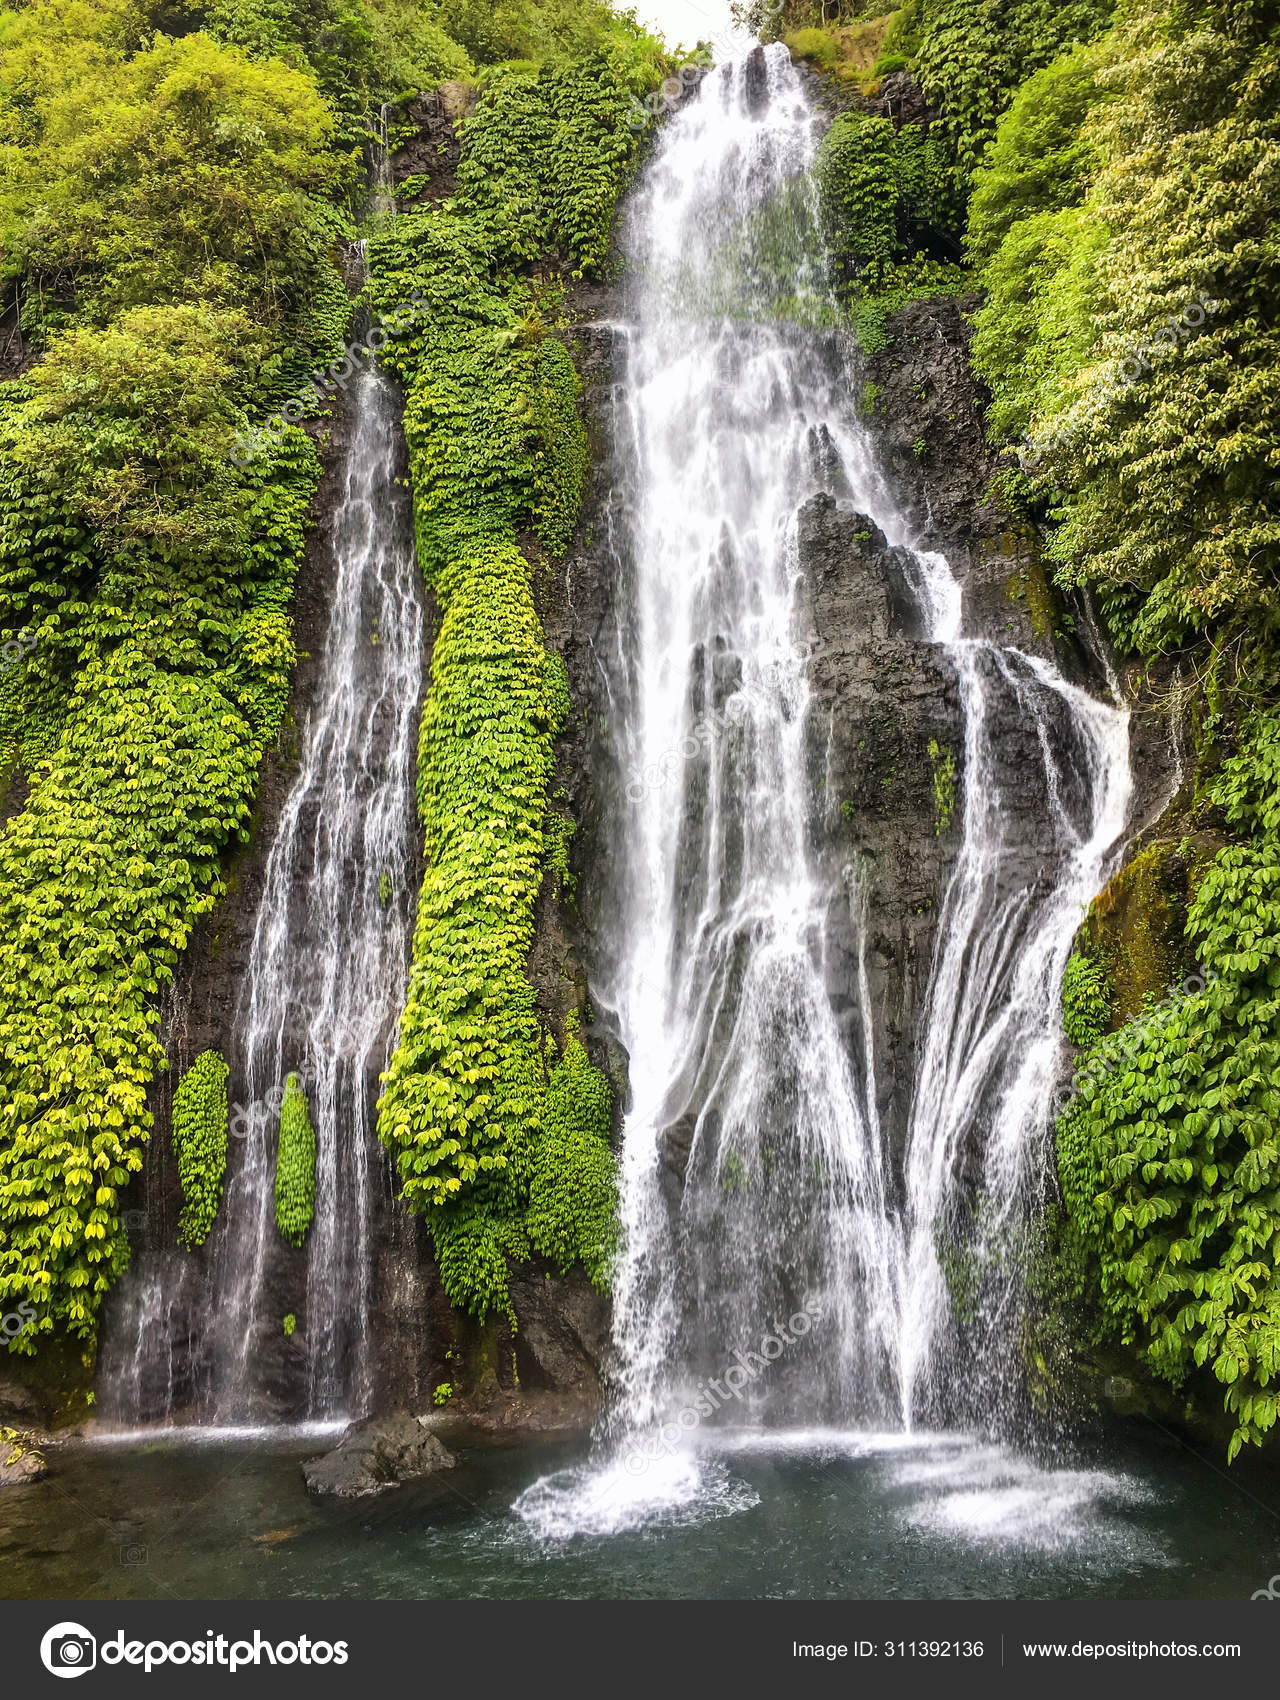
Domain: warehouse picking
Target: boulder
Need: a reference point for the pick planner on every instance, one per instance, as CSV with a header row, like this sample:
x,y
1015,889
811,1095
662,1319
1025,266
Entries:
x,y
20,1465
379,1453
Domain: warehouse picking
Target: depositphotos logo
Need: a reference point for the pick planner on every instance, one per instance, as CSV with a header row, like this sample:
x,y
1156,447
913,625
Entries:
x,y
68,1649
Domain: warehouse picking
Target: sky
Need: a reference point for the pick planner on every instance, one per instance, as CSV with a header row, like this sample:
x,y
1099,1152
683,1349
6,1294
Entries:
x,y
682,23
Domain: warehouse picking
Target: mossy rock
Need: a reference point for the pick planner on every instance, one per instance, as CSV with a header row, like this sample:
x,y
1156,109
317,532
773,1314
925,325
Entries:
x,y
59,1380
1136,927
1030,585
848,52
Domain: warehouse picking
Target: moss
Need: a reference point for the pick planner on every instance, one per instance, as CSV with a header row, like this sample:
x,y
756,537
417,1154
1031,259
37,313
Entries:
x,y
943,762
1134,930
847,52
1029,584
814,47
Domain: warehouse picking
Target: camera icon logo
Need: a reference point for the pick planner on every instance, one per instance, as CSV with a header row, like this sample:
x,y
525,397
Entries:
x,y
68,1649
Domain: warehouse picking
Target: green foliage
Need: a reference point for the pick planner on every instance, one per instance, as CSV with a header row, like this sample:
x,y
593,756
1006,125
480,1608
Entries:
x,y
884,195
1168,1153
562,474
1041,157
289,1325
199,1127
1086,999
815,46
295,1165
443,1393
544,157
1036,326
572,1215
971,55
556,30
484,1133
1129,335
185,172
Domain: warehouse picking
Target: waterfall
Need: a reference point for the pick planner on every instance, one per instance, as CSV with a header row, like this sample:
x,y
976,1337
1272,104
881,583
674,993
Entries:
x,y
327,969
758,1186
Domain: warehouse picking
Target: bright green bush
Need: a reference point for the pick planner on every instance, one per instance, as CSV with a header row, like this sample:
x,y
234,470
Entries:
x,y
573,1187
295,1165
1086,1000
199,1129
184,172
1042,155
496,446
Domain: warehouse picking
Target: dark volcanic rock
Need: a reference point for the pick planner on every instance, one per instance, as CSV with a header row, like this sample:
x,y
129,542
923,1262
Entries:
x,y
881,698
564,1332
902,99
431,154
926,409
378,1454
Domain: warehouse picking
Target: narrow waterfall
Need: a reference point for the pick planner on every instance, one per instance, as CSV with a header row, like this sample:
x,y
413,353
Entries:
x,y
327,970
331,947
990,1051
757,1180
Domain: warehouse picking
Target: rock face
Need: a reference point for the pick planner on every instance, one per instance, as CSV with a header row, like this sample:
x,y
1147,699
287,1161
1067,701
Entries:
x,y
883,726
378,1454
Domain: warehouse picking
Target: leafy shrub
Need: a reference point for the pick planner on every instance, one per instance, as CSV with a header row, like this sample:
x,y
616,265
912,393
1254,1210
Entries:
x,y
973,54
1086,1001
295,1165
199,1129
183,172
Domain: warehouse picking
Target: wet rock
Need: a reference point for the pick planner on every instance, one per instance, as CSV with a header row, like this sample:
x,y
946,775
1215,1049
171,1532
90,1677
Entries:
x,y
430,155
20,1464
377,1454
563,1335
20,1406
756,77
884,722
902,99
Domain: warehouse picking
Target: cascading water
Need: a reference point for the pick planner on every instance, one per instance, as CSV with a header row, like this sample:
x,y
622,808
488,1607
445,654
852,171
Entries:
x,y
990,1050
756,1176
736,1056
327,970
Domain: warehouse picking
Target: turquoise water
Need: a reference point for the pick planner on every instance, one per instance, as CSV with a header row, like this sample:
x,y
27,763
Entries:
x,y
821,1516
